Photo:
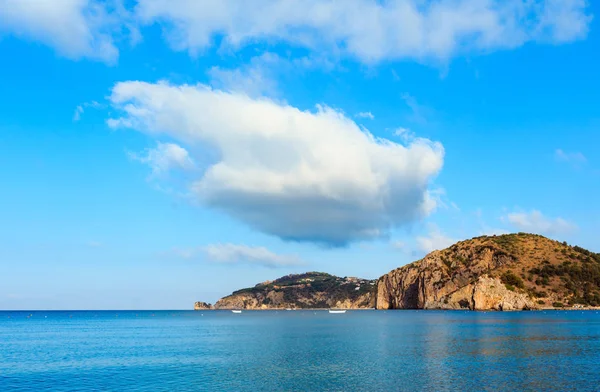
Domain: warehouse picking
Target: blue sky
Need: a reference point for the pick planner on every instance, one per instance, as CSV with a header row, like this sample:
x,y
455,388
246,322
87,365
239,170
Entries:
x,y
159,152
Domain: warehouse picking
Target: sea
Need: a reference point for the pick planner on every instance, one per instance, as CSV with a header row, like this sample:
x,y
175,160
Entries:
x,y
299,350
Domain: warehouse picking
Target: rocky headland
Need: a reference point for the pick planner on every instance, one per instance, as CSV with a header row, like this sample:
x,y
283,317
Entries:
x,y
202,306
304,291
508,272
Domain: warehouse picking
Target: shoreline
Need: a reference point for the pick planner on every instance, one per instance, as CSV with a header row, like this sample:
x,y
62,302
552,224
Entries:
x,y
597,308
384,310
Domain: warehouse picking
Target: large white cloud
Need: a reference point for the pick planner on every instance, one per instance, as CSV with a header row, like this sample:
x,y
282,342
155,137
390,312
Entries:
x,y
300,175
367,29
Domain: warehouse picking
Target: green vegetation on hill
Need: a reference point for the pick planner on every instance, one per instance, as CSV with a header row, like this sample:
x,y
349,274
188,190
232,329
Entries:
x,y
312,290
548,267
511,281
582,280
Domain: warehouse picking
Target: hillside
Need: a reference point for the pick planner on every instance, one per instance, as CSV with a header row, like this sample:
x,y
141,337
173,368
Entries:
x,y
507,272
309,290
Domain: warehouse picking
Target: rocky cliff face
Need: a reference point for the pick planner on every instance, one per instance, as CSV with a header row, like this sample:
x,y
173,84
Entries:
x,y
304,291
511,272
491,294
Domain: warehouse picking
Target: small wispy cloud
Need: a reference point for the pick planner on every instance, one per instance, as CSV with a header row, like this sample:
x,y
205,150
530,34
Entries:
x,y
405,134
535,222
573,158
257,78
94,244
233,254
165,157
420,113
80,109
397,244
484,228
254,255
368,115
78,113
184,253
262,74
434,240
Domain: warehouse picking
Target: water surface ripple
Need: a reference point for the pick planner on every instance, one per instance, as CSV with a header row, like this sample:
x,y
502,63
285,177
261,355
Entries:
x,y
299,351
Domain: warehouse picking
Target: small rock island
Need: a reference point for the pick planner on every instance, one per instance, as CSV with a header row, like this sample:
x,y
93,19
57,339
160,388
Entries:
x,y
507,272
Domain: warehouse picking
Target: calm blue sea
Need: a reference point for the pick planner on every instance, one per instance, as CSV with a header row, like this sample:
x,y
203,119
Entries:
x,y
299,351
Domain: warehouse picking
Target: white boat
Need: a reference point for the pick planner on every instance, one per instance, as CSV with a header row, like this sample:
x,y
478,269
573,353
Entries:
x,y
336,311
236,311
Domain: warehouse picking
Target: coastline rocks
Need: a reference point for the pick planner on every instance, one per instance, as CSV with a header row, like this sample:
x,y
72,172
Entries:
x,y
202,306
275,300
238,302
